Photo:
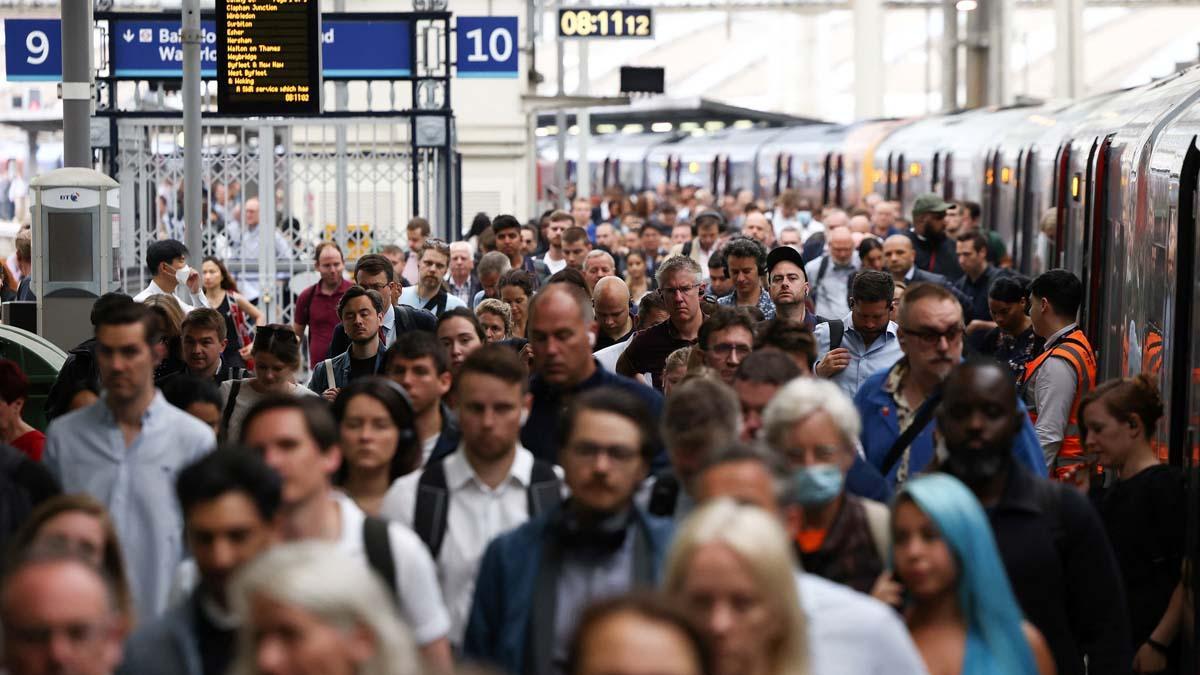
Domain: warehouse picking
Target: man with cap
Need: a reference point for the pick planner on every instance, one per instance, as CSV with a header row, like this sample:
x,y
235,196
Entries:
x,y
935,251
788,285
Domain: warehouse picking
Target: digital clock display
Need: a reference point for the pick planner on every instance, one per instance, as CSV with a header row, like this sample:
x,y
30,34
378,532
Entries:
x,y
605,22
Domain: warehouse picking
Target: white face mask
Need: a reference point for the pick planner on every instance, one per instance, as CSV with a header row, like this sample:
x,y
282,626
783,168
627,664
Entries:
x,y
182,274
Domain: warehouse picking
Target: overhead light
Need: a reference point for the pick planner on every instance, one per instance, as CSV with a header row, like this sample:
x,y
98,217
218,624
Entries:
x,y
605,128
660,127
633,129
966,5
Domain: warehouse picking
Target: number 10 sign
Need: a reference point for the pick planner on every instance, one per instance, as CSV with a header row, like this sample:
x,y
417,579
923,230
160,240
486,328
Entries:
x,y
487,46
33,49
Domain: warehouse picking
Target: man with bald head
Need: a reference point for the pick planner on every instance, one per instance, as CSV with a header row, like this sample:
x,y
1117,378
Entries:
x,y
561,335
835,218
860,225
59,614
899,257
610,299
831,273
596,266
883,219
756,226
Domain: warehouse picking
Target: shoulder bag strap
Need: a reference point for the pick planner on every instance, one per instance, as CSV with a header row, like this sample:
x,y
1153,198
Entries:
x,y
378,546
816,286
330,376
230,404
544,492
837,330
920,420
432,507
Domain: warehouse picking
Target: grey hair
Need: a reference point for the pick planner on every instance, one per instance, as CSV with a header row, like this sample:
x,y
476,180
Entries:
x,y
341,592
499,308
803,397
597,253
676,263
493,262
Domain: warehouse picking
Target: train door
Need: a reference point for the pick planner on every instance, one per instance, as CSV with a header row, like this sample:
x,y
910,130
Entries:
x,y
887,179
837,191
1066,191
1029,219
1093,253
1184,432
991,189
827,179
948,177
935,179
1019,181
783,173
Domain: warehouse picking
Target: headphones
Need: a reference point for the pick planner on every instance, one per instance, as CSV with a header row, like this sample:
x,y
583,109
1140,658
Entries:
x,y
760,255
408,435
601,537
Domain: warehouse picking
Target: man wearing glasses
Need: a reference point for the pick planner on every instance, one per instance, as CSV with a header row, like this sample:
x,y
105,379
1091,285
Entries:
x,y
863,342
907,393
726,339
679,285
535,581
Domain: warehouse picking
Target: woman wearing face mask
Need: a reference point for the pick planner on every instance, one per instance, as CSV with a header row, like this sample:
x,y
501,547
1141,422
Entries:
x,y
276,354
960,610
815,427
378,440
1144,512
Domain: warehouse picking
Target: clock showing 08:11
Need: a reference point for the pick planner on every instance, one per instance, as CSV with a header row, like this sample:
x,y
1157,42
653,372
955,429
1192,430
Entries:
x,y
605,22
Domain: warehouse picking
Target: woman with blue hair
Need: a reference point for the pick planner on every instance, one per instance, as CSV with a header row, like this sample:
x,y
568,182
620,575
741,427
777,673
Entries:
x,y
960,610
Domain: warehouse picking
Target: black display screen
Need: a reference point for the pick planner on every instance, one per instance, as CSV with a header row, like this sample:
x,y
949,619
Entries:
x,y
269,57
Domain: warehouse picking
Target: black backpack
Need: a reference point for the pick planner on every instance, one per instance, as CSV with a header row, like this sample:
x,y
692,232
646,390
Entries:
x,y
378,546
664,495
433,500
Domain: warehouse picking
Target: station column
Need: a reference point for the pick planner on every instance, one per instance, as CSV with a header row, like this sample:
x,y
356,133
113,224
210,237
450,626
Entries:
x,y
868,58
1068,48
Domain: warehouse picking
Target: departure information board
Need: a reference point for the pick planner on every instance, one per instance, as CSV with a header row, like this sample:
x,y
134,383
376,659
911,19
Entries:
x,y
270,57
605,22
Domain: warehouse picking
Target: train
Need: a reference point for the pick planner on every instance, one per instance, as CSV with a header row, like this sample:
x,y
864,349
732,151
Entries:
x,y
1104,186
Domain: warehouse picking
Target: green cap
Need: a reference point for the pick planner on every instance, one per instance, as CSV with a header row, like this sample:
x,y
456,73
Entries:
x,y
929,203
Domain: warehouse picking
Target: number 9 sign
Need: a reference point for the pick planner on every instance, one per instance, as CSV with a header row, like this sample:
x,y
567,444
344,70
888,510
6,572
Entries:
x,y
33,49
487,46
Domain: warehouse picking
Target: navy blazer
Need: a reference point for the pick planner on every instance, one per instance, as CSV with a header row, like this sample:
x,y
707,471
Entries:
x,y
166,645
498,629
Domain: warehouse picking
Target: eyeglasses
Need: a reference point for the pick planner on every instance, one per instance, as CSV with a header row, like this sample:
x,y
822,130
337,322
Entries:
x,y
930,337
726,348
822,454
617,453
670,291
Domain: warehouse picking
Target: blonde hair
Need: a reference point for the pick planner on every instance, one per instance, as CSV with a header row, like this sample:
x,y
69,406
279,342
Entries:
x,y
498,308
762,545
317,578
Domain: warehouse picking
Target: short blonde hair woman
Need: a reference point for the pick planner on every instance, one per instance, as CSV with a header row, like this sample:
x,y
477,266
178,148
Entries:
x,y
732,568
309,603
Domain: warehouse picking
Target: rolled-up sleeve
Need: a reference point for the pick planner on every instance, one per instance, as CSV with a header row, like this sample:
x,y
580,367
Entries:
x,y
1054,391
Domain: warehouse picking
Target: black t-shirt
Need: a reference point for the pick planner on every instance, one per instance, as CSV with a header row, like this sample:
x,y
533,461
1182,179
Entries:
x,y
362,367
215,644
1145,516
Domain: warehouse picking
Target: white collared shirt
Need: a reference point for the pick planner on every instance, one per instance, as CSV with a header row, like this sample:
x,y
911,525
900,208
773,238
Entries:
x,y
187,299
850,633
420,598
477,515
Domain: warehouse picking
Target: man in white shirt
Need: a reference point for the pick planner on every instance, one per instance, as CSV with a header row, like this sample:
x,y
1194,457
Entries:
x,y
848,632
298,437
554,259
167,262
489,485
430,293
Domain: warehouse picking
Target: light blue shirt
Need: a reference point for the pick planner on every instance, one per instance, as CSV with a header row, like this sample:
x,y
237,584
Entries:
x,y
864,361
86,451
409,296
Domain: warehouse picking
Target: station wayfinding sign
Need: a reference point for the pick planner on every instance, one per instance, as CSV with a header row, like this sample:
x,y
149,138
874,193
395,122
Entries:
x,y
486,46
605,22
152,48
270,57
33,49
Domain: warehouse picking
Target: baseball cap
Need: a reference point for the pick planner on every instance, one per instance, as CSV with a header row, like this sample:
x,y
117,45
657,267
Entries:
x,y
784,253
929,203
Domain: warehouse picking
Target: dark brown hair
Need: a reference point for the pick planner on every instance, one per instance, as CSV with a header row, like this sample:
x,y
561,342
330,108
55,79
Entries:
x,y
651,607
278,340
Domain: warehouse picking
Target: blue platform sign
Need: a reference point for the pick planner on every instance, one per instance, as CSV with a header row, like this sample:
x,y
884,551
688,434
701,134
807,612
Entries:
x,y
33,50
153,48
487,46
358,49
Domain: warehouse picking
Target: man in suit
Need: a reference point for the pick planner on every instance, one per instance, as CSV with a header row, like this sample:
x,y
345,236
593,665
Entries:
x,y
535,581
375,273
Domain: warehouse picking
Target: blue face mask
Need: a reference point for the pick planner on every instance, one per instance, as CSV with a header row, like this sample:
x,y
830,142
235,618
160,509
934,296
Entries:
x,y
816,485
805,217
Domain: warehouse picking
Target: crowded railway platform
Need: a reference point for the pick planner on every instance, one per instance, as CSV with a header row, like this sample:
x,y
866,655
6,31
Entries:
x,y
322,379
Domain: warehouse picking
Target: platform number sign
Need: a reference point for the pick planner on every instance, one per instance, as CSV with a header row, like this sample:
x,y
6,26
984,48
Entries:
x,y
33,49
487,46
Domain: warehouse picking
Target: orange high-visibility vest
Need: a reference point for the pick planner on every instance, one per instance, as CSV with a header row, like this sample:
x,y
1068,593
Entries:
x,y
1075,349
